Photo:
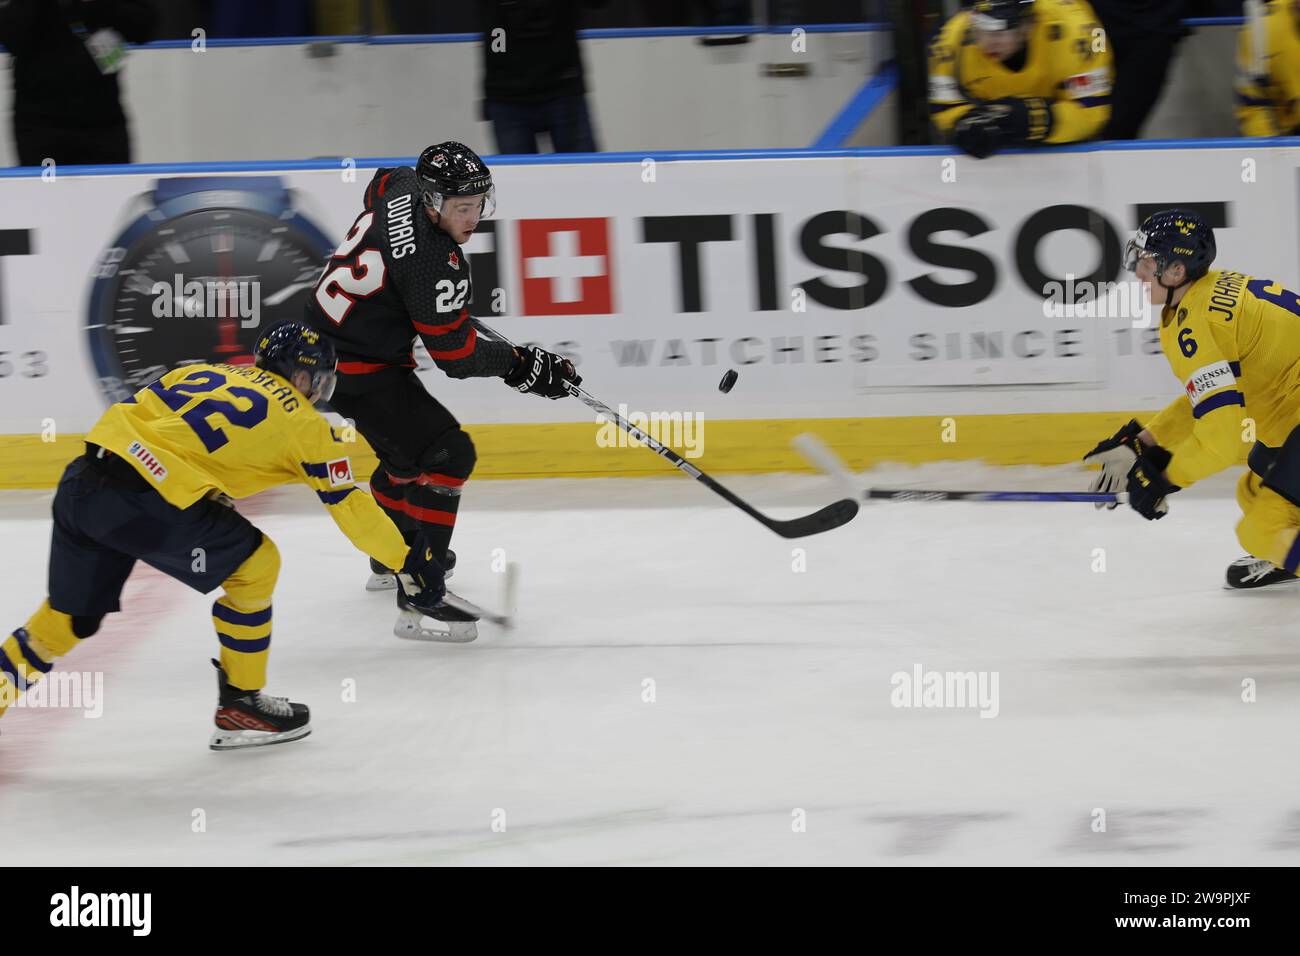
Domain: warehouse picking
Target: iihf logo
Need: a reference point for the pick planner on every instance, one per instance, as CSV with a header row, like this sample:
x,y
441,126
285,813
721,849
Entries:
x,y
453,260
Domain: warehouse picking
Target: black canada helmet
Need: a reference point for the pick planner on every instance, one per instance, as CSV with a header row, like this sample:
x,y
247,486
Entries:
x,y
453,169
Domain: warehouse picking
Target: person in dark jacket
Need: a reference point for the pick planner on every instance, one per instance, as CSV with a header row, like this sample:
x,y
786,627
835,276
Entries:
x,y
66,56
1144,35
533,79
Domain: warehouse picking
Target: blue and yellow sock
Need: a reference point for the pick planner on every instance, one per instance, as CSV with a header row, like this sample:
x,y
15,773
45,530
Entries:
x,y
245,636
30,652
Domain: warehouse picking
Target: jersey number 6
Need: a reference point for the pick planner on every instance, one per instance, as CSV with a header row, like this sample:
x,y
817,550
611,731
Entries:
x,y
1285,298
341,286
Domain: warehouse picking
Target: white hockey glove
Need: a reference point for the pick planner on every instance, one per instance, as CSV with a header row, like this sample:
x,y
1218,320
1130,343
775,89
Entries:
x,y
1116,456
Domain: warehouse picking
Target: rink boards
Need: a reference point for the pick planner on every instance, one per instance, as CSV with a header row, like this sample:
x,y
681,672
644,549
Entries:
x,y
902,303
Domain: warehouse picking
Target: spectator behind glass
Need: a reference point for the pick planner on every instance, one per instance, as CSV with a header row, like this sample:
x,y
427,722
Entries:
x,y
66,56
716,13
727,13
533,76
1144,34
283,18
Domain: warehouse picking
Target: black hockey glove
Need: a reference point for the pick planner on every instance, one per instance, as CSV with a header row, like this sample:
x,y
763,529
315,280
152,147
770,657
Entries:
x,y
1147,484
1023,120
976,134
999,124
542,373
1116,456
422,579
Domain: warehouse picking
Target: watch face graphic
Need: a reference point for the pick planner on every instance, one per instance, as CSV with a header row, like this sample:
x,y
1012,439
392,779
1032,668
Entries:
x,y
198,286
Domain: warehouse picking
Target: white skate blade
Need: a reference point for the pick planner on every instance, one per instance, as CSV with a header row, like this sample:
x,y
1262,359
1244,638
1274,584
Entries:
x,y
410,626
241,739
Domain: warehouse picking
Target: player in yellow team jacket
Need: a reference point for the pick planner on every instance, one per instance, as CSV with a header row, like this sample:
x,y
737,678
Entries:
x,y
154,486
1011,73
1268,70
1233,340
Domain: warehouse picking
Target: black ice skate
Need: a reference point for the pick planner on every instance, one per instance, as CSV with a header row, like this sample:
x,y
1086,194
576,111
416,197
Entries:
x,y
1251,572
385,579
457,617
250,718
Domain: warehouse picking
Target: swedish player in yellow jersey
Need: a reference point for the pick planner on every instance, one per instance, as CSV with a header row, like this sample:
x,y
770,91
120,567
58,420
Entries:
x,y
154,486
1233,340
1012,73
1268,70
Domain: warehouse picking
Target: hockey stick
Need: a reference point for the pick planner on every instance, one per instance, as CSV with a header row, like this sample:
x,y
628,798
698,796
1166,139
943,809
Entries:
x,y
819,454
509,588
832,516
918,494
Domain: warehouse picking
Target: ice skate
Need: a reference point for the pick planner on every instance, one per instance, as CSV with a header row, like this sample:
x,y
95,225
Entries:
x,y
1249,573
250,718
455,620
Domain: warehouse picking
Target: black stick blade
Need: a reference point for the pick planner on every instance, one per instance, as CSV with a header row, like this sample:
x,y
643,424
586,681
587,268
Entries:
x,y
832,516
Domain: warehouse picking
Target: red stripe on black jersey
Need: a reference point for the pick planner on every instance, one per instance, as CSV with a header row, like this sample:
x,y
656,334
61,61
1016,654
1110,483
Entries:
x,y
427,515
362,368
462,352
441,329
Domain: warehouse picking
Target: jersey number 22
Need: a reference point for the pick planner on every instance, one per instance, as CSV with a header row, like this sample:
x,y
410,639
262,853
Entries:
x,y
340,287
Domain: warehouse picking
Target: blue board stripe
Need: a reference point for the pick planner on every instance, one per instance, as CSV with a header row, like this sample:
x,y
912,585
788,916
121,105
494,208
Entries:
x,y
858,108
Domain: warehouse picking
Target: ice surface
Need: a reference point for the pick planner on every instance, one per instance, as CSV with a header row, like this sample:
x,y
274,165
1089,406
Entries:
x,y
1118,689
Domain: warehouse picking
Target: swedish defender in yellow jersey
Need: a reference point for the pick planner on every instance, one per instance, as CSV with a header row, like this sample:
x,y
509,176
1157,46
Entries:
x,y
1016,72
1233,340
154,486
1268,70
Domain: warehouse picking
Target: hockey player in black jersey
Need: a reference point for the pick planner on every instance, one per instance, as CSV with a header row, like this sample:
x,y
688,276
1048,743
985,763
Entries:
x,y
400,274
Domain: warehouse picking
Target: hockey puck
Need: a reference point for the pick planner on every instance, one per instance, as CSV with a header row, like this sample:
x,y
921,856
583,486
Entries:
x,y
728,380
